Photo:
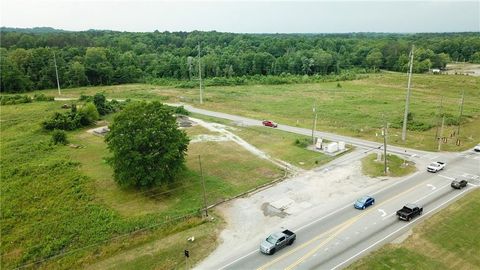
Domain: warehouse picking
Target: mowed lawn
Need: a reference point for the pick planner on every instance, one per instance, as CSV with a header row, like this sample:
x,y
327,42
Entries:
x,y
448,240
355,108
61,208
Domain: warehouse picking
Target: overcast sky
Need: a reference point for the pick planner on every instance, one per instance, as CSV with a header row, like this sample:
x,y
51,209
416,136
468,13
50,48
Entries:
x,y
245,16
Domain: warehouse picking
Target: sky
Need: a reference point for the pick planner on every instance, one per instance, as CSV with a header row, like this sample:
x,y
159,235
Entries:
x,y
279,16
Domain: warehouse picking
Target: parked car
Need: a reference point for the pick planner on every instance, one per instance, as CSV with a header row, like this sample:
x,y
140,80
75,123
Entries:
x,y
409,211
436,166
269,123
277,241
364,202
459,184
477,148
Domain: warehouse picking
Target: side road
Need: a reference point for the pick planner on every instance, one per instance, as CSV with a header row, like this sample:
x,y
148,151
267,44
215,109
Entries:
x,y
308,132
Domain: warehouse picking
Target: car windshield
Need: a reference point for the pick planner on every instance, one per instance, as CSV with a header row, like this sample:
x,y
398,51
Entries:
x,y
271,240
362,200
434,164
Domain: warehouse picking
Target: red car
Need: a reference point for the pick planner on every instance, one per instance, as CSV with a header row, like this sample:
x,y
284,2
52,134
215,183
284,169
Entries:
x,y
268,123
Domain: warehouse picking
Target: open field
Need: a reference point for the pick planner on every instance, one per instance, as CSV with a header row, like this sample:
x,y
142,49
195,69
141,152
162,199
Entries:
x,y
62,201
395,164
355,108
448,240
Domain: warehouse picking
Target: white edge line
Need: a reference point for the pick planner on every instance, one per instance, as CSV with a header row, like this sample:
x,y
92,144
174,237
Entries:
x,y
334,212
429,194
401,228
349,205
244,256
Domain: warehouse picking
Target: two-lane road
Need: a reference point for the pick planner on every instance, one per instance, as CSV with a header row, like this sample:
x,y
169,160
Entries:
x,y
341,237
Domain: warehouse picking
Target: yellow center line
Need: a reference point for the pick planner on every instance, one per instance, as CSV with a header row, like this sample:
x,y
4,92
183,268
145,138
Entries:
x,y
341,227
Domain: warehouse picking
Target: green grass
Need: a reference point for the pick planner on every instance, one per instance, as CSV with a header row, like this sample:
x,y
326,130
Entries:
x,y
448,240
396,166
398,259
276,143
57,200
355,109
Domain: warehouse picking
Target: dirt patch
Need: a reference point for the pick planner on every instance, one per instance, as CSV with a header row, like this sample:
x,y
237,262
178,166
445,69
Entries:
x,y
271,211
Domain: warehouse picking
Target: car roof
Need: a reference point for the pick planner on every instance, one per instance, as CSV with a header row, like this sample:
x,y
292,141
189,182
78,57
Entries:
x,y
411,205
277,235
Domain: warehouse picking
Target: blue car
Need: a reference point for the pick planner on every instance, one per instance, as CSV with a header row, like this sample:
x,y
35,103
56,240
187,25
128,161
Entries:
x,y
364,202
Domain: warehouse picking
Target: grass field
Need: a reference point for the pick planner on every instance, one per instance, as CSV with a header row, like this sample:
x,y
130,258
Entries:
x,y
354,109
448,240
396,166
57,200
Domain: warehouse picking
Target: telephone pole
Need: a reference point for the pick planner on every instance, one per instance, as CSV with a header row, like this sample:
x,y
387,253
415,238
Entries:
x,y
441,135
200,75
461,113
407,101
314,127
203,184
56,72
385,128
440,112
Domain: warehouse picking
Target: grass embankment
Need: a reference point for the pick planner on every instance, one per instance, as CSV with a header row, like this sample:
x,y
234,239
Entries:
x,y
396,166
448,240
355,108
62,201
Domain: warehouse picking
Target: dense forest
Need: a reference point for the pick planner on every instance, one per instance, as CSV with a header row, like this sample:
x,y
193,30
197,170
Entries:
x,y
107,57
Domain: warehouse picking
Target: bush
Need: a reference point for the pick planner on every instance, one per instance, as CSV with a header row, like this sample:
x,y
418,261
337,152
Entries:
x,y
43,97
59,137
303,143
88,114
65,121
16,99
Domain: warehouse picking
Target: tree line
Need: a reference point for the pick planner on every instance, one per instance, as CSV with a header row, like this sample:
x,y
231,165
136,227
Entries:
x,y
108,57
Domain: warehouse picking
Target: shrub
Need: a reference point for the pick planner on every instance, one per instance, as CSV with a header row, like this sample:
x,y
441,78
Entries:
x,y
16,99
302,142
88,114
43,97
59,137
65,121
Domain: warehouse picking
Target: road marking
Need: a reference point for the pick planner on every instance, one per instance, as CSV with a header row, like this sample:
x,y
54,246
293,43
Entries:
x,y
334,212
446,177
383,213
431,186
401,228
241,258
340,227
444,186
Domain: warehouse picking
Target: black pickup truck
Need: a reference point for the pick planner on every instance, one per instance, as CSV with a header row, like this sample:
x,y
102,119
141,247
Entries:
x,y
409,211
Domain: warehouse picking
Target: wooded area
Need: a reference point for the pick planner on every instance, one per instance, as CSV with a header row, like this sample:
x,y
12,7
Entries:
x,y
108,57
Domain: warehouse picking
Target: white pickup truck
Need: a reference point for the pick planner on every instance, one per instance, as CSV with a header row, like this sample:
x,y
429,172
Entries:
x,y
436,166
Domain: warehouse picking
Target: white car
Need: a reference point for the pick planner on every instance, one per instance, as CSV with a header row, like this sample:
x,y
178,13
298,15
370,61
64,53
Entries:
x,y
436,166
477,148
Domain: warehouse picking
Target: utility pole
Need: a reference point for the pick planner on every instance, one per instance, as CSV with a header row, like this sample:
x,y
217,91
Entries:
x,y
56,72
441,135
461,113
200,75
204,189
385,128
407,101
440,112
314,127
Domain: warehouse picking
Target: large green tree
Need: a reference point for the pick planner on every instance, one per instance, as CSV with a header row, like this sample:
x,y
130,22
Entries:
x,y
147,146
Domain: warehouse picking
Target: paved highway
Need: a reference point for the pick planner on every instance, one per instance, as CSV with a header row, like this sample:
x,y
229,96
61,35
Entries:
x,y
345,234
341,237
